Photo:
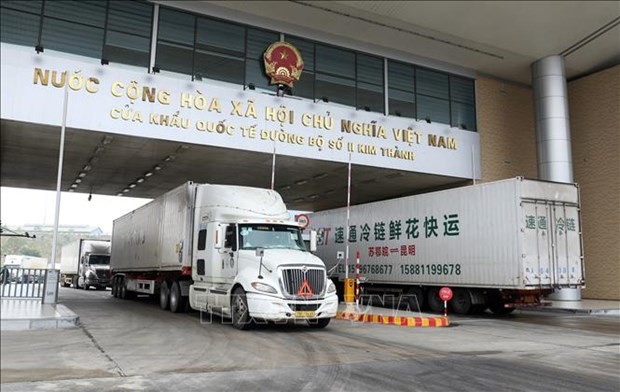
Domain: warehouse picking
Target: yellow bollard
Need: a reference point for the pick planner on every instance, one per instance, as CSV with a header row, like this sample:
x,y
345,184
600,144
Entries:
x,y
349,290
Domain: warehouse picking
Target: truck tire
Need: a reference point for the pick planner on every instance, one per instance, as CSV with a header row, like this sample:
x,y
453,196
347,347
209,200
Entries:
x,y
115,287
239,310
497,307
122,289
434,302
177,301
319,323
164,295
461,302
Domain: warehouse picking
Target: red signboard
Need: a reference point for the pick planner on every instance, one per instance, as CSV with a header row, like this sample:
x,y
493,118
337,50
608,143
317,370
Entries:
x,y
445,294
303,220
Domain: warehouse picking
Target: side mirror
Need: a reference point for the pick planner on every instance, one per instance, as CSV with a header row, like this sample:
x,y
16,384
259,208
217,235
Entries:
x,y
312,240
219,236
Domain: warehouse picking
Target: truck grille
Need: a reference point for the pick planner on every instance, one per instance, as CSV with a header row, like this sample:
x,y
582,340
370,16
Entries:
x,y
103,274
303,284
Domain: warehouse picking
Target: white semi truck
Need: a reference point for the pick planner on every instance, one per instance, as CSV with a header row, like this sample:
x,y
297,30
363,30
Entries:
x,y
227,250
85,263
497,245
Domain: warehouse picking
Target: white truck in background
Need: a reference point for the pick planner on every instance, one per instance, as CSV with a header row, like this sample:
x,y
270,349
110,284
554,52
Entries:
x,y
85,263
228,250
497,245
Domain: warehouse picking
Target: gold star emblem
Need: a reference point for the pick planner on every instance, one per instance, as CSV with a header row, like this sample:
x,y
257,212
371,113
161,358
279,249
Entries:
x,y
283,55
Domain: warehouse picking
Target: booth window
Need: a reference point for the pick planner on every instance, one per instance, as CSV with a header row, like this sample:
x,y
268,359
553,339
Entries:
x,y
463,103
401,89
111,30
128,33
432,95
335,74
369,71
20,22
175,41
220,48
257,43
304,87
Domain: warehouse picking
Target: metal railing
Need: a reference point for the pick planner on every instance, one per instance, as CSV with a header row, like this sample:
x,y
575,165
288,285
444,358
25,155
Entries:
x,y
17,282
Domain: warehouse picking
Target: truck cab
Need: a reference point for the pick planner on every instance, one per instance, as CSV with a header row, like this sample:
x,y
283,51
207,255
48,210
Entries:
x,y
94,270
255,269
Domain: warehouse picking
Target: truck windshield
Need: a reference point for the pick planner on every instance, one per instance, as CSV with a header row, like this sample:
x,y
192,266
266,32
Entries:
x,y
99,260
252,236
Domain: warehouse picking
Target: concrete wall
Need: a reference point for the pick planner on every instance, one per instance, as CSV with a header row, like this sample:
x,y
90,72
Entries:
x,y
508,149
594,103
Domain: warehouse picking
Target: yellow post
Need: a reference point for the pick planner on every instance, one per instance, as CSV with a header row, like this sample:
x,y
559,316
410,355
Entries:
x,y
349,290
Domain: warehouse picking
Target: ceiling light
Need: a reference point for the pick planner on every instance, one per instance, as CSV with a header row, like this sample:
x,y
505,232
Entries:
x,y
98,150
78,180
320,176
125,190
106,140
82,174
169,158
132,185
157,167
74,185
119,194
94,160
148,174
299,200
312,197
87,168
140,180
71,190
301,182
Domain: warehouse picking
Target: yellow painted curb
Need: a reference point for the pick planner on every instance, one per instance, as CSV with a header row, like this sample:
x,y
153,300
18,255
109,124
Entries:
x,y
402,321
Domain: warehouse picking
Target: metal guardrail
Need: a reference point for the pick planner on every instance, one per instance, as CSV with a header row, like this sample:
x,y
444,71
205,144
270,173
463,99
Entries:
x,y
17,282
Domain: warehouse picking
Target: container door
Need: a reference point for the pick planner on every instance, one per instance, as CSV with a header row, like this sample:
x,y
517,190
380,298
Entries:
x,y
552,244
567,240
538,245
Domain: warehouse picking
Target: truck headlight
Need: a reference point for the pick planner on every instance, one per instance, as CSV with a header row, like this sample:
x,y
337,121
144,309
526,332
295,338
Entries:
x,y
264,287
331,287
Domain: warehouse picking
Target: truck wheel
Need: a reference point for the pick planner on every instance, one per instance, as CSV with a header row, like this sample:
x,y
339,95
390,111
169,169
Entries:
x,y
122,289
239,310
497,307
434,302
177,301
414,298
164,295
319,323
461,302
